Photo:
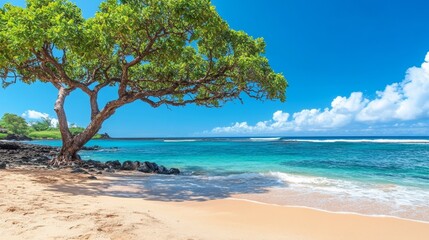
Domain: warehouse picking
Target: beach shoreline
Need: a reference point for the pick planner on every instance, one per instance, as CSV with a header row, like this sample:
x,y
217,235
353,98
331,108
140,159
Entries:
x,y
52,204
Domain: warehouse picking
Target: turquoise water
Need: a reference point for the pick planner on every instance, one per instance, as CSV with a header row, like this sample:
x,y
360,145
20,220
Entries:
x,y
389,171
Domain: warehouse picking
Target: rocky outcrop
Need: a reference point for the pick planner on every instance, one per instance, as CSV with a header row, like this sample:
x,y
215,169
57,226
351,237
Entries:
x,y
17,137
151,167
145,167
114,164
105,136
93,148
3,165
18,154
9,146
15,153
130,166
174,171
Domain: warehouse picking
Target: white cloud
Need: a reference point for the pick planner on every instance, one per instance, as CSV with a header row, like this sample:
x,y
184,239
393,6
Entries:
x,y
31,114
35,115
341,113
397,103
54,122
407,100
237,127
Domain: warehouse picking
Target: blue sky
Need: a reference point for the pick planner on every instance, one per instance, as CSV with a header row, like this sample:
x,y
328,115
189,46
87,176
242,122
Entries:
x,y
335,54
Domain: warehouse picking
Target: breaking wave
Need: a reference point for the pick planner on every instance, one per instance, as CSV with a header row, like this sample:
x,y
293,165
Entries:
x,y
180,140
409,141
264,139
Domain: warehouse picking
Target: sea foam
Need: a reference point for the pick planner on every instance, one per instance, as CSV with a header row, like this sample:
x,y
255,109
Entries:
x,y
264,139
418,141
381,192
180,140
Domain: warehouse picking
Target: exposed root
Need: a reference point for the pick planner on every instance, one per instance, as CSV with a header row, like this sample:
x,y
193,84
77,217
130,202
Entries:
x,y
62,161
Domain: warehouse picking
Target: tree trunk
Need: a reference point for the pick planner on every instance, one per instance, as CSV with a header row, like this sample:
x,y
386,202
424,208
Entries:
x,y
67,156
72,144
68,153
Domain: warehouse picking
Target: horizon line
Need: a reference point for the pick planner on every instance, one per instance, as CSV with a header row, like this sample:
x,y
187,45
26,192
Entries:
x,y
342,136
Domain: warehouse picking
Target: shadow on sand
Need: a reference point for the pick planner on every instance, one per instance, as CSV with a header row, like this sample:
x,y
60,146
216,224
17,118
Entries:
x,y
171,188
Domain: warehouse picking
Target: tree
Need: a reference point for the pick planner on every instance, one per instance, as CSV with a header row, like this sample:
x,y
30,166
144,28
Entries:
x,y
42,125
14,123
161,52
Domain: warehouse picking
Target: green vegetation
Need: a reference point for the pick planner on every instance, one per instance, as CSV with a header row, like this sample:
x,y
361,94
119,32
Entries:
x,y
42,125
47,134
14,124
37,130
53,134
160,52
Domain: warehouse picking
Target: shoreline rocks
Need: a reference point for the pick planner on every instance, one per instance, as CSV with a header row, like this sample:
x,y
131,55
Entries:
x,y
14,154
105,136
17,137
93,148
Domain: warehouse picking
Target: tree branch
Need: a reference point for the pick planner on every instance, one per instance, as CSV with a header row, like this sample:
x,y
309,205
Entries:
x,y
97,121
47,54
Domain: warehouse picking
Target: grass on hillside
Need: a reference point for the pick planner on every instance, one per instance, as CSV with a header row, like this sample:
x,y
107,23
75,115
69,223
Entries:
x,y
52,134
48,134
3,135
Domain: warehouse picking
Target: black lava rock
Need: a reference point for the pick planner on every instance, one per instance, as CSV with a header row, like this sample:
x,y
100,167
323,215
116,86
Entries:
x,y
95,164
104,136
114,164
93,148
152,166
144,168
17,137
9,146
162,170
2,165
174,171
14,154
130,166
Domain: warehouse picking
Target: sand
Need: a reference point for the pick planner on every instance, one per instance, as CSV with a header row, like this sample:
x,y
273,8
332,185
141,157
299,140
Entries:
x,y
52,204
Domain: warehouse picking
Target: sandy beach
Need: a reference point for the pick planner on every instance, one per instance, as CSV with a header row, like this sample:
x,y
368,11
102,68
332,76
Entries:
x,y
214,120
54,204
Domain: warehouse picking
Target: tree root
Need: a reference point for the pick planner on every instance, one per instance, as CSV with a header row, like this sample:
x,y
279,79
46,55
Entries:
x,y
62,161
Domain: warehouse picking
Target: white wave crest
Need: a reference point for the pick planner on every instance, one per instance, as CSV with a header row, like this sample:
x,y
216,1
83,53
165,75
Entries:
x,y
400,195
264,139
409,141
300,179
180,140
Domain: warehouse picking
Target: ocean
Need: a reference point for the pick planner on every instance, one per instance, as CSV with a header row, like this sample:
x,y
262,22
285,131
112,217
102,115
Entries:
x,y
373,175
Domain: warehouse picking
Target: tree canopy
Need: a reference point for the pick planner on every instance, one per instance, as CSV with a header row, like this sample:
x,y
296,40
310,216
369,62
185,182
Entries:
x,y
161,52
14,123
42,125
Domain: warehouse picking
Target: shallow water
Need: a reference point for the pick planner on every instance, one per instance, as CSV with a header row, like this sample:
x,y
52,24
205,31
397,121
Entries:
x,y
383,176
